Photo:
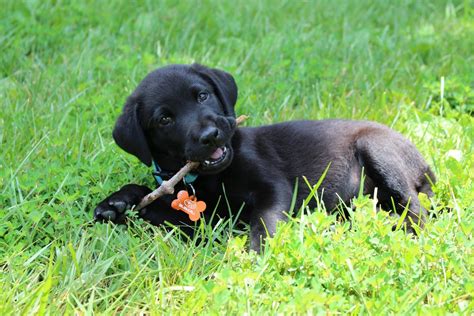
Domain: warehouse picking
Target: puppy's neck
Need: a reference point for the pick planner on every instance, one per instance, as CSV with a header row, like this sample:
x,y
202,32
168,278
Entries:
x,y
168,162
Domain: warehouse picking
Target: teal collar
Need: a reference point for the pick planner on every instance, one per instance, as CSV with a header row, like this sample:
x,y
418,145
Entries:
x,y
161,175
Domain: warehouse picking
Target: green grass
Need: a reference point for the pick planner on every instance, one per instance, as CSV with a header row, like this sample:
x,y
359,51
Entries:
x,y
65,71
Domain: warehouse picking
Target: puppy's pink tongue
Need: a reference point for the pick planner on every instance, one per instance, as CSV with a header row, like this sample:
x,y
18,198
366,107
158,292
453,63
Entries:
x,y
217,154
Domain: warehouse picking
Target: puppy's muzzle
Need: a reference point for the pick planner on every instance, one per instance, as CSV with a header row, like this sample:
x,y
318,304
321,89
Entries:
x,y
211,136
212,141
217,132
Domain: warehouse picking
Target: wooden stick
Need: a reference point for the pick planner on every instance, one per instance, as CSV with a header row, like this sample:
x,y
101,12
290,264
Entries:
x,y
167,187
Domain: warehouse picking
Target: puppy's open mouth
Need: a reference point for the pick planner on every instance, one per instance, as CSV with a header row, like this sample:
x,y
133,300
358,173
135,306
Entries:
x,y
217,161
216,157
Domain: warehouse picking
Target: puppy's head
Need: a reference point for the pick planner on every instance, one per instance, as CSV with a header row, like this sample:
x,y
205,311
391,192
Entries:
x,y
181,113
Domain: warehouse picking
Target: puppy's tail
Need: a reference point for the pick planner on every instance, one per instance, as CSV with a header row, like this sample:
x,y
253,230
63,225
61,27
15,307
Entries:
x,y
428,179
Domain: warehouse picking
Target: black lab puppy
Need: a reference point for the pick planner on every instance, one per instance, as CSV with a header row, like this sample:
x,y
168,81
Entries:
x,y
183,113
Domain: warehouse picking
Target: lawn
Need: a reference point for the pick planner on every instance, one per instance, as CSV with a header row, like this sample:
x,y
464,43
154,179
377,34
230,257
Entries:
x,y
66,68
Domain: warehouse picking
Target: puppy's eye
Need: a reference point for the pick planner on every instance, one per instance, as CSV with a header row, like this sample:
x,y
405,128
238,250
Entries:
x,y
165,120
202,96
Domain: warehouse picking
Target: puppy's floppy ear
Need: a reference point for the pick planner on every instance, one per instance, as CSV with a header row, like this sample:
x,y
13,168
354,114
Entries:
x,y
223,83
128,133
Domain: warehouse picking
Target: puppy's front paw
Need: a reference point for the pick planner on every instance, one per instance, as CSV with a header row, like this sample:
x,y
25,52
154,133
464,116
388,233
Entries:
x,y
111,209
114,207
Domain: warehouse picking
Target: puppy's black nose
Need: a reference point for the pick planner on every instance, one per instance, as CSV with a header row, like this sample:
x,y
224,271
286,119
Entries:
x,y
210,137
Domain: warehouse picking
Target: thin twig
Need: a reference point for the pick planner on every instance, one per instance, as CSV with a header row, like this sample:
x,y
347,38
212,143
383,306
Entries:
x,y
167,187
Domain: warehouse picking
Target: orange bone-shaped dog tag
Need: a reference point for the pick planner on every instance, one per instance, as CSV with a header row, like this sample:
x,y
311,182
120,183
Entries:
x,y
189,204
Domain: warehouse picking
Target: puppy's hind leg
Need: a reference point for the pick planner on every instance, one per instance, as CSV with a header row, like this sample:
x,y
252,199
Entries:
x,y
387,169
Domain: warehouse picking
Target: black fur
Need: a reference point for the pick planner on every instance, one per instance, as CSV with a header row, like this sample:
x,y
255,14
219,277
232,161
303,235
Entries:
x,y
261,164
